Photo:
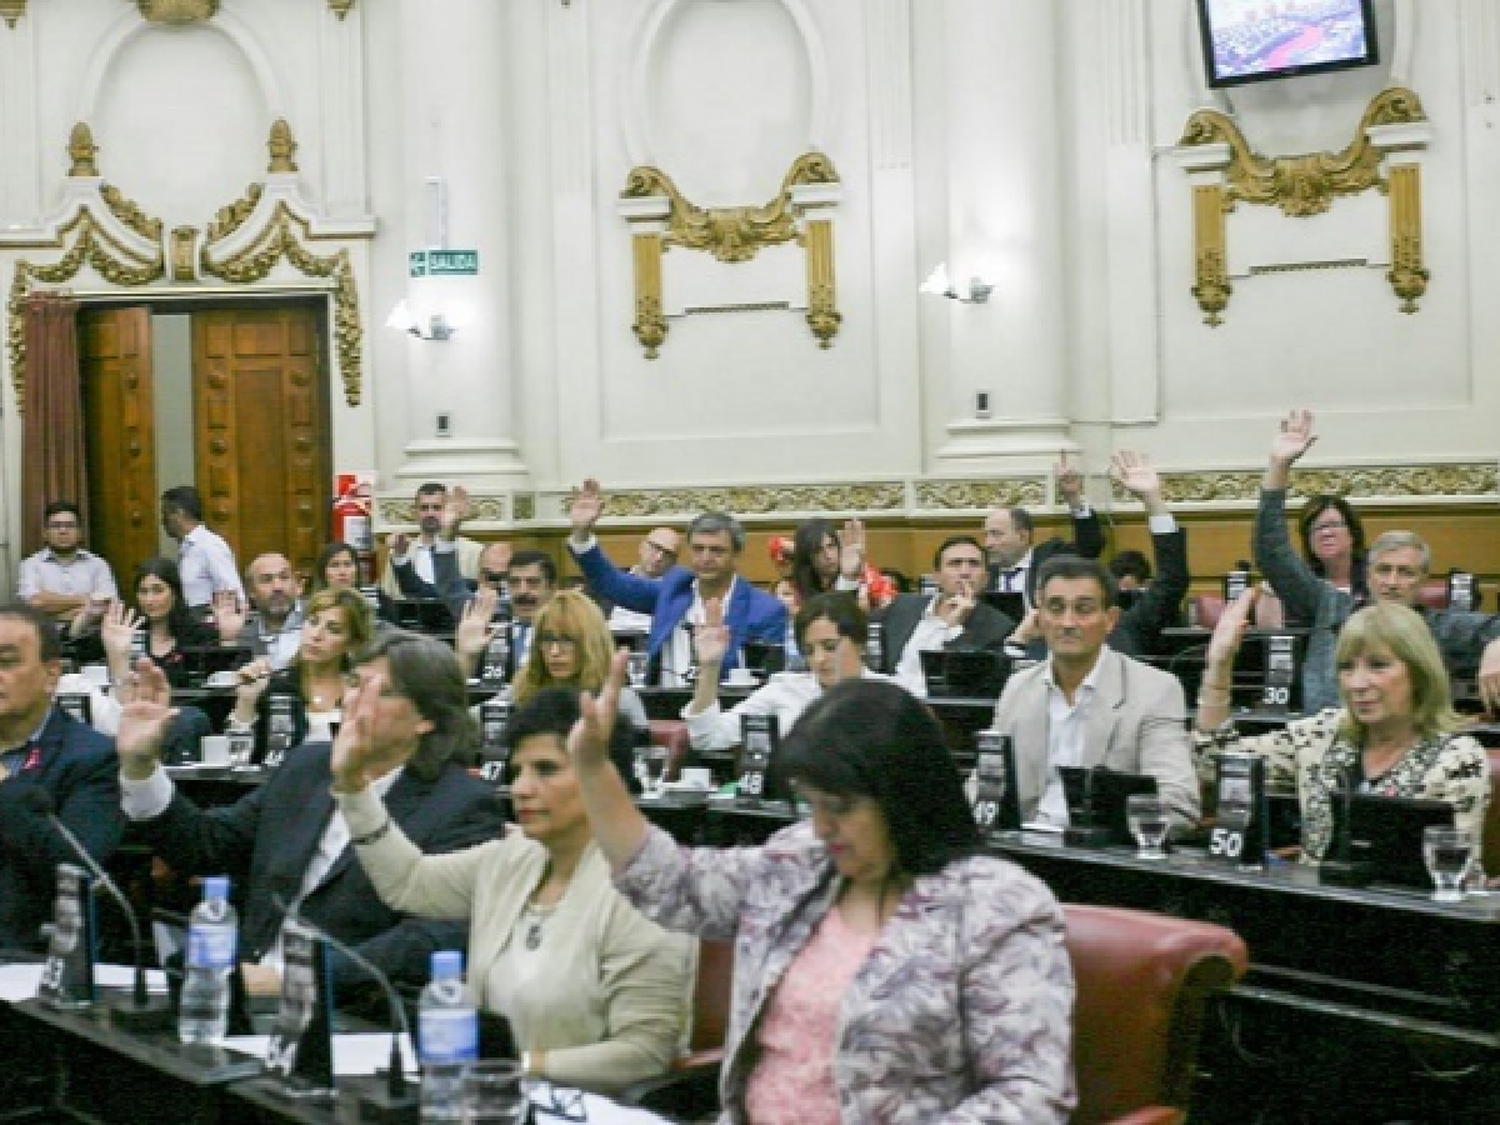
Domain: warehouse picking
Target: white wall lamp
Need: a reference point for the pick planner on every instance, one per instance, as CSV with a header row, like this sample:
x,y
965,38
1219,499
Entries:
x,y
939,284
404,320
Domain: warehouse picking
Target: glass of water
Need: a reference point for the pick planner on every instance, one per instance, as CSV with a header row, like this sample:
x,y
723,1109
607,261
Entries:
x,y
1447,853
1146,814
494,1093
636,668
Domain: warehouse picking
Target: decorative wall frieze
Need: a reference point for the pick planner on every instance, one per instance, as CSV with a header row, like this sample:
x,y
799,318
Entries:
x,y
11,11
662,217
1389,482
1382,156
975,495
178,11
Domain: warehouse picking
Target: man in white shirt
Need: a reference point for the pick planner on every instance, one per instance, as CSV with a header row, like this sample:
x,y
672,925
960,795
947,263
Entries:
x,y
1008,534
203,559
411,565
62,578
953,618
1088,705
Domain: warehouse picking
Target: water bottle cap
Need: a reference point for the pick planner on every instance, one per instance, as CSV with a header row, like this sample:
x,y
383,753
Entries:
x,y
215,887
447,963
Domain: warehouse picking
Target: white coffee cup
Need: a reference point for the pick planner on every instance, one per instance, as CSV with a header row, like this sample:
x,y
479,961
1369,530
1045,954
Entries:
x,y
215,749
697,777
222,680
741,676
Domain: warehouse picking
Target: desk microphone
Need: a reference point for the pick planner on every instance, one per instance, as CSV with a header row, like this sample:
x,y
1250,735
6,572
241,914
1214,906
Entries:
x,y
398,1103
141,1013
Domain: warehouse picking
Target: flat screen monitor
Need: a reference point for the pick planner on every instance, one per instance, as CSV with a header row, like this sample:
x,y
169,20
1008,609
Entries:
x,y
1386,833
1257,40
965,674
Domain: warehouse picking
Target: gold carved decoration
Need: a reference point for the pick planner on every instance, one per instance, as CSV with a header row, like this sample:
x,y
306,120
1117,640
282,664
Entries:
x,y
82,150
340,8
178,11
1303,186
734,234
962,495
92,246
283,238
229,219
130,214
184,241
1470,479
751,500
282,147
11,11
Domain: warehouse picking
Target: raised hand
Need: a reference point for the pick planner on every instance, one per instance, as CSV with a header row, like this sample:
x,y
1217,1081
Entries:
x,y
255,677
398,543
1134,472
455,511
1224,645
143,722
476,628
711,639
852,550
229,614
1069,484
118,627
354,746
588,741
585,507
1294,438
955,608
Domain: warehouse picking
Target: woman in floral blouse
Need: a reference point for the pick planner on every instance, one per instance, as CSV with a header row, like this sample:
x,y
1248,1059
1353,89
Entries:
x,y
886,969
1394,733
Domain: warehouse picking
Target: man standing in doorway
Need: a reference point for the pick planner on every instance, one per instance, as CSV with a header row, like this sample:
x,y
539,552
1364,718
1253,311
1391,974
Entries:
x,y
203,558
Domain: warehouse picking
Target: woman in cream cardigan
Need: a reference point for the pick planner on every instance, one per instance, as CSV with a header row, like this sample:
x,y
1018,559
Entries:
x,y
594,992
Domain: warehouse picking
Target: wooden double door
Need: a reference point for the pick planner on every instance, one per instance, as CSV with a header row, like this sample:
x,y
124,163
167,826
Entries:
x,y
259,431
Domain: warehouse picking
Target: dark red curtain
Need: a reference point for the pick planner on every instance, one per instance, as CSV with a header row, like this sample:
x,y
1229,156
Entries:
x,y
54,464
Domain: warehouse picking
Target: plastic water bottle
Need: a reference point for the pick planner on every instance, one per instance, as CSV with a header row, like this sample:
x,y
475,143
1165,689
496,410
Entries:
x,y
213,940
448,1034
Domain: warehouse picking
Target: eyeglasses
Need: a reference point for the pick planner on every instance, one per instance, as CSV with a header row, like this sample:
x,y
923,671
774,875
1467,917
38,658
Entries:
x,y
1329,525
671,554
61,525
549,640
493,576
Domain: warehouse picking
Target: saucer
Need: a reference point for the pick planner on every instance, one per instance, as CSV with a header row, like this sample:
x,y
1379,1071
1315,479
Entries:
x,y
222,680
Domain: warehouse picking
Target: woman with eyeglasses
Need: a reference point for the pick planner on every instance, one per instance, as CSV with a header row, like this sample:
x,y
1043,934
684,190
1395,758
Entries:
x,y
571,648
593,991
337,626
886,968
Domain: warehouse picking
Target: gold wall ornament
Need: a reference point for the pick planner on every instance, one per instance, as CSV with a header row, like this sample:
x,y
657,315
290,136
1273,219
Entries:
x,y
972,495
1305,185
733,234
130,213
82,150
283,237
91,245
11,11
282,147
635,503
1221,486
178,11
229,219
340,8
184,258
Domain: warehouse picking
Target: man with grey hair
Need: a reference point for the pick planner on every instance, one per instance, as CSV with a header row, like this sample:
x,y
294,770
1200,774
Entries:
x,y
1397,564
675,600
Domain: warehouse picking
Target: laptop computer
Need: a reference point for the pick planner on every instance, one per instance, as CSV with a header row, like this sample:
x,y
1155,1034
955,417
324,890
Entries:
x,y
964,674
1386,833
1097,796
1012,603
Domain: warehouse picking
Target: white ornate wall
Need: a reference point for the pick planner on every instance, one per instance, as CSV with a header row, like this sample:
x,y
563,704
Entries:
x,y
1039,143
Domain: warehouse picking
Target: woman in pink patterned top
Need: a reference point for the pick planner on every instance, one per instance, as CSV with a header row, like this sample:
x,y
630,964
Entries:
x,y
886,970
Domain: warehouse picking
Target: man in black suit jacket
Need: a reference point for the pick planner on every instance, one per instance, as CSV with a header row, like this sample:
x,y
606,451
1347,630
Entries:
x,y
1008,534
44,748
285,841
951,619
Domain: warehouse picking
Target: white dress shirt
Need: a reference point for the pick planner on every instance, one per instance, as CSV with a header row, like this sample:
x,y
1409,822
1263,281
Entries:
x,y
931,634
1066,725
785,695
207,566
677,649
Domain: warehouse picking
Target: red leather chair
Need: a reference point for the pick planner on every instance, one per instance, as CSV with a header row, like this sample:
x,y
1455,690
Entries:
x,y
1143,981
690,1090
1204,609
1434,593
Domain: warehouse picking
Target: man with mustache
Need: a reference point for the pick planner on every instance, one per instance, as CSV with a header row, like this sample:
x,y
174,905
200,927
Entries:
x,y
532,580
1087,705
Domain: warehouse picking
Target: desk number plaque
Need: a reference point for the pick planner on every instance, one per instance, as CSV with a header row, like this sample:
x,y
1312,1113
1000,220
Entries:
x,y
1239,836
68,974
494,739
281,731
996,807
1283,686
760,735
300,1052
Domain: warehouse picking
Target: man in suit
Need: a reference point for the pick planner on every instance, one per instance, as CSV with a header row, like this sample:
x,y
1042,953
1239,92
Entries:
x,y
1088,705
1155,607
1008,534
43,748
953,618
285,841
675,600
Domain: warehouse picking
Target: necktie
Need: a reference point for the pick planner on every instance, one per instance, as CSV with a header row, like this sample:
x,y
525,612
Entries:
x,y
1012,579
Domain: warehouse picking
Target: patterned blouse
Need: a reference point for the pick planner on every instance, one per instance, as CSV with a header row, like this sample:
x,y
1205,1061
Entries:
x,y
1313,754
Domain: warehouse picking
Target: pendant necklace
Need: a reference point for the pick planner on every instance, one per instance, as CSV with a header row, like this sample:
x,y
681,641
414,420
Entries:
x,y
536,921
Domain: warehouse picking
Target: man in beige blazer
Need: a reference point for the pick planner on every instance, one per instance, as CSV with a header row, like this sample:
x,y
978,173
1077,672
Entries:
x,y
1087,705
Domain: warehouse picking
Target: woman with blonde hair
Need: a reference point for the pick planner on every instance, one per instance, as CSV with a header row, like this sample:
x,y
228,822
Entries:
x,y
571,647
1394,735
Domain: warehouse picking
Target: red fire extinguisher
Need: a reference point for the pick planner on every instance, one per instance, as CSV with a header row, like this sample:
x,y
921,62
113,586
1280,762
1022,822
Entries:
x,y
352,524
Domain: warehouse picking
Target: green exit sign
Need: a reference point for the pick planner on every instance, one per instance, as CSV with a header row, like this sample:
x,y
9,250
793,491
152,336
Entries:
x,y
443,263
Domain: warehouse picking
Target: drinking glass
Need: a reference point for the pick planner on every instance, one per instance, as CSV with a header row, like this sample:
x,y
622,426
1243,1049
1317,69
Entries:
x,y
636,668
494,1093
1447,853
1146,814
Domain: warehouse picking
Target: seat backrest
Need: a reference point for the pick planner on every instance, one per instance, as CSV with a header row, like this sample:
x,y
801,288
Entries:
x,y
1142,982
1434,593
711,994
1489,845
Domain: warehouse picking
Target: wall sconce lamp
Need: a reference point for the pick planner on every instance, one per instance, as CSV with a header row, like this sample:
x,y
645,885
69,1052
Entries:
x,y
404,320
939,284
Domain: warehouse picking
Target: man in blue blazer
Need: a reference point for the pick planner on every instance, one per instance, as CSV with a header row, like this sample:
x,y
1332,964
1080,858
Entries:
x,y
675,600
44,748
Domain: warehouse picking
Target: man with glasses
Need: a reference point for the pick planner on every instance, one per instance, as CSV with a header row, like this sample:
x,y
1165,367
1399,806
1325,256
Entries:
x,y
285,844
417,568
658,555
62,578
